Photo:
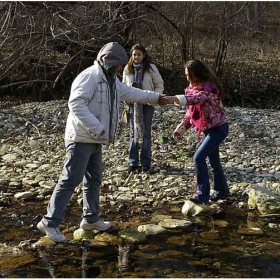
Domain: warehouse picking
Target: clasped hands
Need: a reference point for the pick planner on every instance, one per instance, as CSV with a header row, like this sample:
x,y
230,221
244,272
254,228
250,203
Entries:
x,y
164,99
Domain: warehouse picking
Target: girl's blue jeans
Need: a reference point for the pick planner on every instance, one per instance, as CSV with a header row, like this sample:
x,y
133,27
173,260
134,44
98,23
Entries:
x,y
83,162
210,148
146,152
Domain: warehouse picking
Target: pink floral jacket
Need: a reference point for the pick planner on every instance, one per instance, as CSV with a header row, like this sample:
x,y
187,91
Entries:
x,y
203,98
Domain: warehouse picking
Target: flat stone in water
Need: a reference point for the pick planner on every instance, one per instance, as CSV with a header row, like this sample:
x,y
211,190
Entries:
x,y
174,223
171,254
97,244
213,234
250,231
151,229
44,242
12,261
220,223
109,238
178,240
132,235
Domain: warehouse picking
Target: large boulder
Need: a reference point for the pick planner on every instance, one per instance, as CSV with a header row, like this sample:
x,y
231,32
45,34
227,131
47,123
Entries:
x,y
265,200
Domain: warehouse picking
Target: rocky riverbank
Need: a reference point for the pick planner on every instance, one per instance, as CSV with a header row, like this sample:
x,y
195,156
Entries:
x,y
32,154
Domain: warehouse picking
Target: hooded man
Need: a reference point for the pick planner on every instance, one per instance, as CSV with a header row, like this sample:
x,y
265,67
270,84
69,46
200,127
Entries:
x,y
92,121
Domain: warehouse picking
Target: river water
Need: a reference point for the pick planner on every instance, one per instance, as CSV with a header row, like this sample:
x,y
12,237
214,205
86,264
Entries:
x,y
218,246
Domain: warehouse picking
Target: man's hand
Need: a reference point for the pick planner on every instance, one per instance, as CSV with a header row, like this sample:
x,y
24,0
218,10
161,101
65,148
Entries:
x,y
162,100
172,99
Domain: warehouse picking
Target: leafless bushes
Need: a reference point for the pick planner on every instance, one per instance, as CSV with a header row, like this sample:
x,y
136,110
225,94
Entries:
x,y
44,45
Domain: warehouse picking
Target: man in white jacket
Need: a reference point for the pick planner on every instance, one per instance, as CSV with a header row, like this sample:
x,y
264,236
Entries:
x,y
92,121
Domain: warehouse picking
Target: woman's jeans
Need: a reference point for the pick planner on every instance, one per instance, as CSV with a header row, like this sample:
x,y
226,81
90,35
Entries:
x,y
83,162
146,152
210,148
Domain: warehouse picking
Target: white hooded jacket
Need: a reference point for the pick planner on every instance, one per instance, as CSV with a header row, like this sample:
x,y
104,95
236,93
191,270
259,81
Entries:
x,y
89,103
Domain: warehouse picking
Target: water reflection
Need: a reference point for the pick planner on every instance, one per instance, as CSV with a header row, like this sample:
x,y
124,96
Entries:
x,y
230,244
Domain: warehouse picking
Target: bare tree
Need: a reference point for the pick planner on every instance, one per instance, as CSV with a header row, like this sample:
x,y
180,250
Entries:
x,y
227,20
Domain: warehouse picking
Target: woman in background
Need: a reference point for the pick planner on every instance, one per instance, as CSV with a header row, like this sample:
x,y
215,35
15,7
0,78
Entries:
x,y
140,72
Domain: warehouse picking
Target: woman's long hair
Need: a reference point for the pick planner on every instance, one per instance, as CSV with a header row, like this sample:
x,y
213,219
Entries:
x,y
200,73
146,59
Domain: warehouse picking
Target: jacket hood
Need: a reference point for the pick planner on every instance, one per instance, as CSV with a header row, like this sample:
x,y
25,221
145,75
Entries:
x,y
112,54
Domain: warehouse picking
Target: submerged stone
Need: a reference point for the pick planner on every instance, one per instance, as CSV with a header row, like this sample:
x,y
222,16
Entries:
x,y
12,261
250,231
132,235
171,254
109,238
212,234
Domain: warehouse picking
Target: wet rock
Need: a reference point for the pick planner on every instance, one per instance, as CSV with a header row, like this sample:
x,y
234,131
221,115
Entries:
x,y
97,244
44,242
143,255
13,260
250,231
178,240
174,223
150,247
213,234
151,229
80,234
192,209
132,236
221,223
171,254
265,200
108,238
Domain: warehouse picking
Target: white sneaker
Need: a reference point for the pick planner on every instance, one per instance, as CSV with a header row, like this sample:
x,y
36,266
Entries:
x,y
53,233
99,225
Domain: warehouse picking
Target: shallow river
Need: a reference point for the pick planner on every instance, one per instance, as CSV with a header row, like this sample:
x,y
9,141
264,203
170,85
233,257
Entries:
x,y
217,246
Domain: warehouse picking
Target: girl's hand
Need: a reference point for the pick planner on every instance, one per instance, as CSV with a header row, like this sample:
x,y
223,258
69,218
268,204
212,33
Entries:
x,y
176,135
179,131
172,99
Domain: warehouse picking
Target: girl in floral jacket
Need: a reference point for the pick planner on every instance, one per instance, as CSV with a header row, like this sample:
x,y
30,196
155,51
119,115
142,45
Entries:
x,y
205,112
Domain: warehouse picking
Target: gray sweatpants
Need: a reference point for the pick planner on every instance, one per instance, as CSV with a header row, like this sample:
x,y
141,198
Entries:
x,y
83,162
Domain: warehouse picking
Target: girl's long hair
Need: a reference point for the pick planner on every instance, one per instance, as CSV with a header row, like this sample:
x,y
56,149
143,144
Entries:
x,y
146,59
200,73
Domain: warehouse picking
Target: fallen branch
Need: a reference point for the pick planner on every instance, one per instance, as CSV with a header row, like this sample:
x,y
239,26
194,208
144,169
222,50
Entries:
x,y
25,82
